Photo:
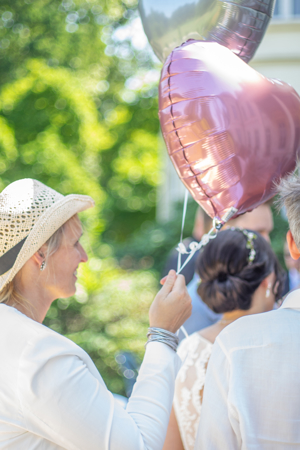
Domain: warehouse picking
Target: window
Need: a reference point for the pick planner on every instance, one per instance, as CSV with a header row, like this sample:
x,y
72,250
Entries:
x,y
286,9
296,7
276,9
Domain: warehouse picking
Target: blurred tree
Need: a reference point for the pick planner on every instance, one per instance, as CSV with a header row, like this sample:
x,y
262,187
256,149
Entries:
x,y
150,245
71,65
278,234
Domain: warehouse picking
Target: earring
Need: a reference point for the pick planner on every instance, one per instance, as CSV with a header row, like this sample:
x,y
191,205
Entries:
x,y
268,291
43,265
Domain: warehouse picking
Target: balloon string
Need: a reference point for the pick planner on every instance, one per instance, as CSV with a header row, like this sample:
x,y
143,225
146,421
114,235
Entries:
x,y
184,331
195,246
186,195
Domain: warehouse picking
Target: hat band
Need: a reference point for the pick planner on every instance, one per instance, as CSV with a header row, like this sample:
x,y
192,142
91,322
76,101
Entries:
x,y
9,258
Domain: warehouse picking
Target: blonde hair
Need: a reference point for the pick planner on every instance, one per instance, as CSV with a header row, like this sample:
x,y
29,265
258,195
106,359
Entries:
x,y
9,294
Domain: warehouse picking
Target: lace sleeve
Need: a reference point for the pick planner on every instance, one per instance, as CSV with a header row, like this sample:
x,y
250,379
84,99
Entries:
x,y
195,352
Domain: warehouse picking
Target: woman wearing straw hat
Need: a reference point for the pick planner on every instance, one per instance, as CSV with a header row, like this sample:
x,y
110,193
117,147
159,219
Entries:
x,y
51,394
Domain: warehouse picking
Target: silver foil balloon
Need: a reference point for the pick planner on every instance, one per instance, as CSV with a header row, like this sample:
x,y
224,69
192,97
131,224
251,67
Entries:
x,y
237,24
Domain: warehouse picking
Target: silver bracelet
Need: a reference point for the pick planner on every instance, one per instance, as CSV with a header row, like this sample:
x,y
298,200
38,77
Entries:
x,y
164,336
171,344
162,332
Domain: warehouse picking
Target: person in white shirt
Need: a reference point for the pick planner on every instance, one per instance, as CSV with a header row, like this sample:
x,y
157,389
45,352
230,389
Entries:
x,y
240,275
252,387
51,394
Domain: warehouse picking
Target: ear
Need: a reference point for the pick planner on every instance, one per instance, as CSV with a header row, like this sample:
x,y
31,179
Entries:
x,y
39,256
266,281
295,253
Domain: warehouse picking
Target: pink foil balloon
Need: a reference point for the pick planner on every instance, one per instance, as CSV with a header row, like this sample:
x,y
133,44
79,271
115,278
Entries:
x,y
230,132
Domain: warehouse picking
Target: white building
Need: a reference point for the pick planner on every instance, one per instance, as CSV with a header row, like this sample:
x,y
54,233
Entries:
x,y
278,56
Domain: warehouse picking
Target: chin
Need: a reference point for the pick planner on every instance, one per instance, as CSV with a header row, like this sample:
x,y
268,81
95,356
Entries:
x,y
68,293
72,292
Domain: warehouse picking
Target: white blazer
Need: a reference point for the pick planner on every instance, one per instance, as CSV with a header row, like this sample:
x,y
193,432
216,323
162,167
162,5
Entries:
x,y
53,397
251,397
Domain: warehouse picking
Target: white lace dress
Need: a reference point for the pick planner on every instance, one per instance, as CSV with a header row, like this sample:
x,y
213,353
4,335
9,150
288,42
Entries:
x,y
195,352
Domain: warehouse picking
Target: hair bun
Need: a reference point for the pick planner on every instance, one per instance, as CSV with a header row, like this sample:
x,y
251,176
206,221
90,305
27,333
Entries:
x,y
222,277
228,279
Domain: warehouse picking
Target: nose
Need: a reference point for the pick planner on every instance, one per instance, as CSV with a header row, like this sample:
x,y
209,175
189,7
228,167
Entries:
x,y
83,255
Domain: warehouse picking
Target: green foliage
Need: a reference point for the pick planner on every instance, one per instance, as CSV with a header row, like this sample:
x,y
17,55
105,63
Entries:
x,y
58,137
149,246
88,91
278,235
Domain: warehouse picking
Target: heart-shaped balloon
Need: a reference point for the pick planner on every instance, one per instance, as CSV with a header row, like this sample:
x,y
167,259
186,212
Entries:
x,y
230,132
237,24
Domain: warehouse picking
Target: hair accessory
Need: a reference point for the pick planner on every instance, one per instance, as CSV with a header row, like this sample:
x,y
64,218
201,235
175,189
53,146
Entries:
x,y
30,213
250,242
165,337
194,246
43,265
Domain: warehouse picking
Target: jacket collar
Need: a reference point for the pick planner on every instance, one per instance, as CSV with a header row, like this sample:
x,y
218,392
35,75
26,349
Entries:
x,y
292,301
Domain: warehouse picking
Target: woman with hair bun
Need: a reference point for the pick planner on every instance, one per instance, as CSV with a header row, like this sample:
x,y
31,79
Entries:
x,y
239,275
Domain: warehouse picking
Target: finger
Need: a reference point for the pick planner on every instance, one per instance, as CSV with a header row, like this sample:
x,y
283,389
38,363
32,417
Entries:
x,y
163,280
169,283
180,282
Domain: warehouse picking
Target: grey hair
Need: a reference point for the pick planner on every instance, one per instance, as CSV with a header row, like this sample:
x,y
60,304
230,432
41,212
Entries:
x,y
289,197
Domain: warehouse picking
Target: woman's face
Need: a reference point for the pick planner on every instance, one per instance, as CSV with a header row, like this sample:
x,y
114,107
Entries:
x,y
60,276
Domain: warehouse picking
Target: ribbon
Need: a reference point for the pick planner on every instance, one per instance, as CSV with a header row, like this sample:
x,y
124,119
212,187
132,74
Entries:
x,y
181,246
195,246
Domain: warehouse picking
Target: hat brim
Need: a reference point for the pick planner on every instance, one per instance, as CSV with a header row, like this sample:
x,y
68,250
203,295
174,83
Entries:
x,y
49,222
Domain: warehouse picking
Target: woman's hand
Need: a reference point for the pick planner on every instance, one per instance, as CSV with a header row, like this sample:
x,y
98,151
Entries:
x,y
172,305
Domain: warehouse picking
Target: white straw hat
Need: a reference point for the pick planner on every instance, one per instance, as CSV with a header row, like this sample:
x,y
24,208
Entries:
x,y
30,212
